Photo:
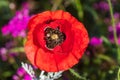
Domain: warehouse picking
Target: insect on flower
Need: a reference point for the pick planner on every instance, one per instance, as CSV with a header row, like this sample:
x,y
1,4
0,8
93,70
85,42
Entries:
x,y
55,41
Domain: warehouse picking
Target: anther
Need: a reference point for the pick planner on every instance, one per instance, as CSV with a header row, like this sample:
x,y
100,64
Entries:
x,y
53,37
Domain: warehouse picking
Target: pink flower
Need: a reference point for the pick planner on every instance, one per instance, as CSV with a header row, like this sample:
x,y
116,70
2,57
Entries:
x,y
17,25
21,74
95,41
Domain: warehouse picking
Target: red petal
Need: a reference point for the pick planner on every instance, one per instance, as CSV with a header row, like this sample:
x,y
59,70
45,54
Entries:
x,y
30,49
38,34
67,16
81,39
57,14
39,18
67,61
46,61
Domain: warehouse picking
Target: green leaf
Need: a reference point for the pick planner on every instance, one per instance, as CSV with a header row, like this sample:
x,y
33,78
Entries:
x,y
7,73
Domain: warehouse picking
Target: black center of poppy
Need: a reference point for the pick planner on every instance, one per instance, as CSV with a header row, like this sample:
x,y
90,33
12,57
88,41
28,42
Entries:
x,y
53,37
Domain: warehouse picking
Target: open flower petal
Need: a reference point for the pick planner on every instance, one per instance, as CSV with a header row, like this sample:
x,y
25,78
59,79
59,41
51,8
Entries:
x,y
56,41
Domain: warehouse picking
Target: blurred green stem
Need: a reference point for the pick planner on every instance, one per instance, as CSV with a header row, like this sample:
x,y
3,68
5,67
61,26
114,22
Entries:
x,y
56,4
76,74
79,8
114,30
118,75
17,49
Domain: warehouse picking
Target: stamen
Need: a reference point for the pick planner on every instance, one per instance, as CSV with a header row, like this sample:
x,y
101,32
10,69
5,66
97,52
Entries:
x,y
53,37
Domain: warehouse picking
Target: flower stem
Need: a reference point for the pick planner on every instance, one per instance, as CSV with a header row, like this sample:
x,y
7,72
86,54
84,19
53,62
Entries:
x,y
56,4
79,8
76,74
114,30
118,74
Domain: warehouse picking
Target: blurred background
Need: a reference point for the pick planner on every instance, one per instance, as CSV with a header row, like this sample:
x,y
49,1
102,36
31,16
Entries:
x,y
100,61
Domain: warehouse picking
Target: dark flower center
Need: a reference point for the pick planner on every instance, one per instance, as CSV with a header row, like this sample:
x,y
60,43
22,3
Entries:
x,y
53,37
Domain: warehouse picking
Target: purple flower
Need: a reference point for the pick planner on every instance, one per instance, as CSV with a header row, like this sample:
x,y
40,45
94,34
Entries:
x,y
95,41
6,53
15,77
27,77
116,17
17,25
10,44
20,71
3,53
5,30
13,54
111,36
21,74
102,6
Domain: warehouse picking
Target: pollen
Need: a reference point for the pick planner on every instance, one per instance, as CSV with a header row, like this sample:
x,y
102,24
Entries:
x,y
54,36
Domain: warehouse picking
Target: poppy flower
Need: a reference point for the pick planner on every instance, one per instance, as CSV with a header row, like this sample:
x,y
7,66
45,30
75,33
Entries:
x,y
55,41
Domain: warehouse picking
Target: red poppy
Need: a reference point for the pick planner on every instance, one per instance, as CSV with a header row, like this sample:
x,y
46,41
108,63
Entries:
x,y
56,40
